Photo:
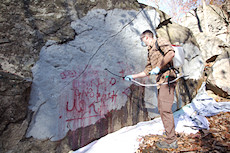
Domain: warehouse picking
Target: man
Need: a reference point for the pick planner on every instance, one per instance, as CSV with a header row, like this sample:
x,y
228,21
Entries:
x,y
160,64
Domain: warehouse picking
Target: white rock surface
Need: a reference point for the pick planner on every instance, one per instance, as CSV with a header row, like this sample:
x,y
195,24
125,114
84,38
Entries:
x,y
209,45
194,63
221,74
71,89
216,33
215,21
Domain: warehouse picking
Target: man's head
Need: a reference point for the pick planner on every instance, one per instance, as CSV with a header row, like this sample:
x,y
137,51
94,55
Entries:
x,y
146,37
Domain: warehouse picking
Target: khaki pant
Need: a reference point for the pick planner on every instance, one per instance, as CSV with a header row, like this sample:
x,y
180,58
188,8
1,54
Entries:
x,y
165,102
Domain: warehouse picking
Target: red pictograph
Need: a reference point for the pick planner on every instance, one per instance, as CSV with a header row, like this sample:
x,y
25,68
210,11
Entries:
x,y
68,74
89,97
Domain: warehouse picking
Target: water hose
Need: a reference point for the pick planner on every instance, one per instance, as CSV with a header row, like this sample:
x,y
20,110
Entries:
x,y
156,84
147,85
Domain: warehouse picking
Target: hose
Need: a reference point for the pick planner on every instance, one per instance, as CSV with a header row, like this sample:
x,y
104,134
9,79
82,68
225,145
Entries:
x,y
156,84
147,85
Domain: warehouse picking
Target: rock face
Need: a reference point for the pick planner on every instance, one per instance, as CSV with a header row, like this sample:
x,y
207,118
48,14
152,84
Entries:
x,y
14,95
217,21
214,44
14,99
220,74
70,49
25,27
71,87
72,91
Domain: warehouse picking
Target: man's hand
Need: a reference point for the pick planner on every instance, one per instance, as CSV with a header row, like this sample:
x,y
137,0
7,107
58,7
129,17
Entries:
x,y
155,71
128,77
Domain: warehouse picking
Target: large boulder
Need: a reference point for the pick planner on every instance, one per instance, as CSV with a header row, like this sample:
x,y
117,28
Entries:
x,y
75,92
213,43
209,46
72,89
216,35
217,21
25,27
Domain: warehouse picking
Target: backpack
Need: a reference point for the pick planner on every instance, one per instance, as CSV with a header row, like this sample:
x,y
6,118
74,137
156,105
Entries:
x,y
178,59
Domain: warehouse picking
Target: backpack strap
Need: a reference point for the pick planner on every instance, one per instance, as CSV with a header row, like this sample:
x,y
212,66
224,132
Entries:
x,y
158,48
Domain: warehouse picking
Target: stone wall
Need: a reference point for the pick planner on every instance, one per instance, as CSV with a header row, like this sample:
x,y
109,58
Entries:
x,y
71,87
26,25
14,95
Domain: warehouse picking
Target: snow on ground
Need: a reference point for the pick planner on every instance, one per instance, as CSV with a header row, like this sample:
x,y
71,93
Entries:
x,y
188,120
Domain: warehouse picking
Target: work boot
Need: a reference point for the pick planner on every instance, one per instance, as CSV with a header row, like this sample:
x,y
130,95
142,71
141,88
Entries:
x,y
165,145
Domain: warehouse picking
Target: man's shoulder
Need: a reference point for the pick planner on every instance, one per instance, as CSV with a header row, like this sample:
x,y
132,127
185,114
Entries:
x,y
162,39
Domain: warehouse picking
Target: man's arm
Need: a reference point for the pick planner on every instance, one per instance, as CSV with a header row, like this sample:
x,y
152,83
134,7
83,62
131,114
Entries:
x,y
139,75
167,58
134,76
